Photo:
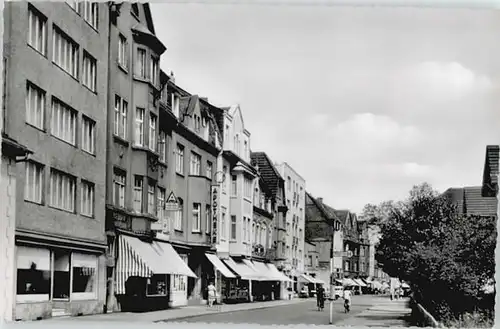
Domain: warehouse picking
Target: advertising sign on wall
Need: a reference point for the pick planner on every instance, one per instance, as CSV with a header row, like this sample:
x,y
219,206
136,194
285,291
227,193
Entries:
x,y
215,208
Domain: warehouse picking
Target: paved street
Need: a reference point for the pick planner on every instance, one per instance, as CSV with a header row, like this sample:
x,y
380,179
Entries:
x,y
365,310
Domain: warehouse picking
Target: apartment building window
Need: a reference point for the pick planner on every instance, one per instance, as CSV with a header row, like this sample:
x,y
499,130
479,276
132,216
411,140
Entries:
x,y
64,52
154,71
139,126
161,203
289,183
62,190
195,164
140,67
248,188
89,12
196,217
244,229
121,108
33,186
209,169
135,9
178,215
179,159
233,227
346,265
246,149
87,199
255,229
122,51
162,146
224,182
234,185
35,105
89,71
138,184
63,123
151,198
223,224
119,188
88,135
207,219
37,30
152,132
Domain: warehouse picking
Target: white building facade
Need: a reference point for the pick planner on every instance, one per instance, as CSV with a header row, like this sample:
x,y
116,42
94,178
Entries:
x,y
295,191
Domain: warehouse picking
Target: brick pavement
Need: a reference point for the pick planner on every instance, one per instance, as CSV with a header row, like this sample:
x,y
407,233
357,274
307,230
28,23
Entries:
x,y
175,313
385,313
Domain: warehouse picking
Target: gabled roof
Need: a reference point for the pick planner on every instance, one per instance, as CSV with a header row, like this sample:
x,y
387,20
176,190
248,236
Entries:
x,y
470,201
267,171
328,212
490,172
342,215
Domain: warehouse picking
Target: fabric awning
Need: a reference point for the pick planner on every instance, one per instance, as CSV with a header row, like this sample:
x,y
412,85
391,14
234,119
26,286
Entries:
x,y
319,281
277,274
360,282
138,258
376,285
264,271
307,278
243,271
349,282
338,281
405,285
219,265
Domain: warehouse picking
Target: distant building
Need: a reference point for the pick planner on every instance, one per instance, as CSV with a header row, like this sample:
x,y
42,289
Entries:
x,y
295,192
479,200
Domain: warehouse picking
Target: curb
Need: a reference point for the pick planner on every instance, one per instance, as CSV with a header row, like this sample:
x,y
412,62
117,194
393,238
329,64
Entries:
x,y
222,312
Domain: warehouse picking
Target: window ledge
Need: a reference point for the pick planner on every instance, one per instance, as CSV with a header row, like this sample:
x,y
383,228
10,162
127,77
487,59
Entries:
x,y
179,174
43,130
196,231
64,141
122,67
90,90
120,140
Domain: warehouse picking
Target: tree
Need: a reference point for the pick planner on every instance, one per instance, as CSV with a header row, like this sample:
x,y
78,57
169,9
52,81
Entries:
x,y
447,257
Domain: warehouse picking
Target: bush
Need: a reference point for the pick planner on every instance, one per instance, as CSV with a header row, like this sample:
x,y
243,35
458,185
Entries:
x,y
445,256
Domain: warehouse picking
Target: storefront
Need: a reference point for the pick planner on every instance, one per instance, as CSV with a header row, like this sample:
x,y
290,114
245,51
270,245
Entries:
x,y
56,281
225,280
149,275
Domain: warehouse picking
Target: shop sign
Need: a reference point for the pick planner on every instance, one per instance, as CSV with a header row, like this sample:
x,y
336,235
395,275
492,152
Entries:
x,y
215,208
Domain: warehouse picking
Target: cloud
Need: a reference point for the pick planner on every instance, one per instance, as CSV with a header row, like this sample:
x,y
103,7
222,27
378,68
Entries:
x,y
444,81
370,134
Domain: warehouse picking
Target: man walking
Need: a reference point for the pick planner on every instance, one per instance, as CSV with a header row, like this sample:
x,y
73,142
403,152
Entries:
x,y
347,300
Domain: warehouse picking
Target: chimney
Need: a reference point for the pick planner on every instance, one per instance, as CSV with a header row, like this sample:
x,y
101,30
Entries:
x,y
204,98
172,78
320,200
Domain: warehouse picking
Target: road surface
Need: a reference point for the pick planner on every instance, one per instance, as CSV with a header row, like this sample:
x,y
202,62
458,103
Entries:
x,y
289,314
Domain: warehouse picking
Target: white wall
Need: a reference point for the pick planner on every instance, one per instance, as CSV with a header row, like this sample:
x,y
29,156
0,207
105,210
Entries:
x,y
7,234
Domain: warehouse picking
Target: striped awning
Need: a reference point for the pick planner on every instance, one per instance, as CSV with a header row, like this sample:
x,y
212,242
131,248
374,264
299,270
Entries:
x,y
277,274
138,258
349,282
360,282
219,265
266,273
243,270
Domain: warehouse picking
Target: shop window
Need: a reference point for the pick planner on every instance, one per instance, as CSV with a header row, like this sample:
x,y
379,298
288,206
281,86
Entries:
x,y
84,268
33,274
157,285
61,275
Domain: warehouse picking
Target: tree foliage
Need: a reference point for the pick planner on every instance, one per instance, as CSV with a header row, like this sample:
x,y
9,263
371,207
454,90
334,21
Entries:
x,y
447,257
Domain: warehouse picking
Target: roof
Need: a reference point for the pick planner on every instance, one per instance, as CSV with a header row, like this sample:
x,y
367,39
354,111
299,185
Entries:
x,y
342,214
490,172
328,212
470,201
267,171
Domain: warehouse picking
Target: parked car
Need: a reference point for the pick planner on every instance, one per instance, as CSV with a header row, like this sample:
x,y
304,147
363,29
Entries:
x,y
304,293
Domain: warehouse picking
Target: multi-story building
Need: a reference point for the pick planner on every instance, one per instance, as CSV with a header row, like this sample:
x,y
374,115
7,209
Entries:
x,y
143,267
196,144
364,249
352,243
295,189
324,229
276,251
55,58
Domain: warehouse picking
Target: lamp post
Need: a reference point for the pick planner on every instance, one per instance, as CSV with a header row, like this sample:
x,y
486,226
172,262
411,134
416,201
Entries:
x,y
336,228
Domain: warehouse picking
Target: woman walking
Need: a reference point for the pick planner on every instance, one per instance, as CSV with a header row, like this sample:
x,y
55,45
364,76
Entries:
x,y
211,294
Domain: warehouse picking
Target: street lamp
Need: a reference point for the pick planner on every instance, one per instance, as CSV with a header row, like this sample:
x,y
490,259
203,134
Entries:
x,y
336,228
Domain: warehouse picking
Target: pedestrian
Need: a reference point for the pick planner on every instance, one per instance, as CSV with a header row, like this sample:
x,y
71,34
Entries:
x,y
347,299
320,298
211,294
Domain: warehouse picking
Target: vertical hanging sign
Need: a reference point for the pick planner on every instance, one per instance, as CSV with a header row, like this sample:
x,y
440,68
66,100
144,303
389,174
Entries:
x,y
215,208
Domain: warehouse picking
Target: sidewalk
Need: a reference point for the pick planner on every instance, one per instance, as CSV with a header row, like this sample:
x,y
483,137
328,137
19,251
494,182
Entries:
x,y
176,313
386,313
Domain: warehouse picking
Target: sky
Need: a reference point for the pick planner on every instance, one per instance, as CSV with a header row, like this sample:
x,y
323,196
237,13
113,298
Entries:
x,y
362,102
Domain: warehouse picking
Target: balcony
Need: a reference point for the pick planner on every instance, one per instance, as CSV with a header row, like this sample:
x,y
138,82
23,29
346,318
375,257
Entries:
x,y
118,218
